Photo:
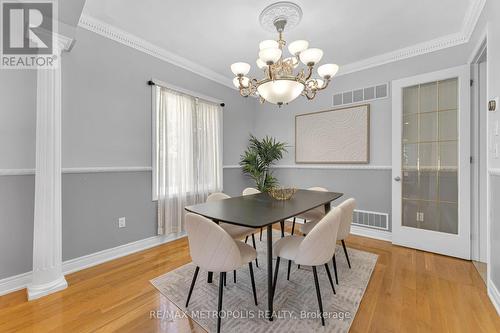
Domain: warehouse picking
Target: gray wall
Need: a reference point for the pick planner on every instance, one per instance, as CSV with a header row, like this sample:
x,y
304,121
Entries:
x,y
280,123
106,123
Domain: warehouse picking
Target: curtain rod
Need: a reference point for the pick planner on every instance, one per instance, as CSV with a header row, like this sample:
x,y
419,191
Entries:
x,y
159,83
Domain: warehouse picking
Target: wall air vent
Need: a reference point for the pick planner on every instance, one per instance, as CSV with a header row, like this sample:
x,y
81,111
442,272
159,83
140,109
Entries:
x,y
361,95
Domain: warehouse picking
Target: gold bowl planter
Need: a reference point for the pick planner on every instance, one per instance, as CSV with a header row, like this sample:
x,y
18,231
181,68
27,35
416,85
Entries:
x,y
282,193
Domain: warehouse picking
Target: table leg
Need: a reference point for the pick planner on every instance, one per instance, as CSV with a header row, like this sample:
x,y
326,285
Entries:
x,y
270,271
328,206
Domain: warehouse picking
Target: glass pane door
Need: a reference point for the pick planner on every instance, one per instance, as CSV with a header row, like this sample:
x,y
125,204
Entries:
x,y
429,156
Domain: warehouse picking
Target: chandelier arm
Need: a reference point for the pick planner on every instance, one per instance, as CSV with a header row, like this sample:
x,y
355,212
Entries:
x,y
309,73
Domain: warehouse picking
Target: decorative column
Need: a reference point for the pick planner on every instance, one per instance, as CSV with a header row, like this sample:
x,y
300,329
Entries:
x,y
47,238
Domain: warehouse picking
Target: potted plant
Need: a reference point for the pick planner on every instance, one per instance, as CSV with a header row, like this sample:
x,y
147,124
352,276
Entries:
x,y
258,158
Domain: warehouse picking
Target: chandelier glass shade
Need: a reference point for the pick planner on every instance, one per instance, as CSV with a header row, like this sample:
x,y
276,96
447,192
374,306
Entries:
x,y
283,80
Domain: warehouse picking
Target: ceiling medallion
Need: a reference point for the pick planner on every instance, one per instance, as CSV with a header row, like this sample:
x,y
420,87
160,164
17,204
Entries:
x,y
283,80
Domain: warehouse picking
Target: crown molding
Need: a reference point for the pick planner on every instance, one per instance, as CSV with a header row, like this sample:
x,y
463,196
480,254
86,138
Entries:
x,y
440,43
463,36
128,39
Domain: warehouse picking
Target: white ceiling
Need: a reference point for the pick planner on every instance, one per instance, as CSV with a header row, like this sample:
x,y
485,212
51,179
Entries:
x,y
216,33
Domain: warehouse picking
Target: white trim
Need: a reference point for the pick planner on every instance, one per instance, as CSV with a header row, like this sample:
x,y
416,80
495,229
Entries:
x,y
322,166
40,290
21,281
93,259
128,39
14,283
371,233
494,171
494,295
121,36
21,172
480,46
106,169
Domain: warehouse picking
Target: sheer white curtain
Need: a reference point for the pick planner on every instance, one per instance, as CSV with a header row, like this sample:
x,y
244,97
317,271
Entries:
x,y
188,155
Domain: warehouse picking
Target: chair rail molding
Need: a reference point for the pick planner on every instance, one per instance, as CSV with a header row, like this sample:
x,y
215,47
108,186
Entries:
x,y
47,274
322,166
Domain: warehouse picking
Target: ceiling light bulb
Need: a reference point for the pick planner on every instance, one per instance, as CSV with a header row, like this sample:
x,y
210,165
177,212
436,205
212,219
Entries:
x,y
328,70
270,55
310,57
240,68
244,82
298,46
269,43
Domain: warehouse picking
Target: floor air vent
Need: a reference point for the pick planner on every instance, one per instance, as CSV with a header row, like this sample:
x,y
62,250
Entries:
x,y
373,220
361,95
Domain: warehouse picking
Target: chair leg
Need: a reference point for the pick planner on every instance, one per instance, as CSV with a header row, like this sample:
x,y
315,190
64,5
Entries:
x,y
222,277
346,255
282,224
330,277
192,284
276,275
293,225
288,271
318,293
261,234
256,260
246,239
209,277
250,266
335,269
234,276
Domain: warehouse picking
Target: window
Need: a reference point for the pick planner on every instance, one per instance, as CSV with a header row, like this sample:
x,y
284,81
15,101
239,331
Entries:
x,y
187,145
187,154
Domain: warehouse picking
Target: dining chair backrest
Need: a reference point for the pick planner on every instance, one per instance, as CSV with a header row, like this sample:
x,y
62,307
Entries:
x,y
211,247
347,207
318,246
320,209
217,196
250,191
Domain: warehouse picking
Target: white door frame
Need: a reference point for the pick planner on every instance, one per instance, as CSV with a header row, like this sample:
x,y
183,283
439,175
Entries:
x,y
433,241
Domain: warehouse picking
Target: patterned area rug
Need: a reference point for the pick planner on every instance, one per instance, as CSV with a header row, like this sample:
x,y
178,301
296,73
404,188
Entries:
x,y
295,303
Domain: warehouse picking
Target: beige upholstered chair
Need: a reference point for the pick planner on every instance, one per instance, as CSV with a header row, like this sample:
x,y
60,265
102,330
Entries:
x,y
235,231
214,250
250,191
312,215
315,249
347,208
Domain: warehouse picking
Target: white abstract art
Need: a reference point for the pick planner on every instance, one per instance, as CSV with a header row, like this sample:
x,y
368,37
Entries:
x,y
333,136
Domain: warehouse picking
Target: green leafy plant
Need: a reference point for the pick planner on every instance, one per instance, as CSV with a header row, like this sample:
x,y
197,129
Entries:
x,y
259,157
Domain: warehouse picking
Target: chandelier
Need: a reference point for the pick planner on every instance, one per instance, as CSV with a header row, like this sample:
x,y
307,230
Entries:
x,y
283,79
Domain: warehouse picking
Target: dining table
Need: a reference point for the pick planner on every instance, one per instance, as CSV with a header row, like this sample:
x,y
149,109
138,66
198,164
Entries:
x,y
259,211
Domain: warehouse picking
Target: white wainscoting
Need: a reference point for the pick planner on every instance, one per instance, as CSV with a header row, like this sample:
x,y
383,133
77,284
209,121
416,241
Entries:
x,y
21,281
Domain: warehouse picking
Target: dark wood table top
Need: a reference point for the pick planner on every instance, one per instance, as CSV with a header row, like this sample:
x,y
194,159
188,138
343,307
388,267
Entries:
x,y
260,210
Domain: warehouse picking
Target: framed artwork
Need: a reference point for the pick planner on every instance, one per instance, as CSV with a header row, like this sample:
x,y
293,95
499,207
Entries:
x,y
338,136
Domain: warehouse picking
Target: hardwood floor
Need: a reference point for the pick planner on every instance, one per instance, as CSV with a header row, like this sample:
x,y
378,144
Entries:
x,y
409,291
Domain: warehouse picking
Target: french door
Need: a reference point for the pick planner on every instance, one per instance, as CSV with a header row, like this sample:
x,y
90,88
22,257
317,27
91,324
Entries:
x,y
431,162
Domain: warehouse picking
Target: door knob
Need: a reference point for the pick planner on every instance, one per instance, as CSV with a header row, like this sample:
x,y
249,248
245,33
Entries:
x,y
397,178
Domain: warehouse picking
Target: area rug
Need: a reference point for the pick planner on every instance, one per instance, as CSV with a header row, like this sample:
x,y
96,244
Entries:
x,y
295,302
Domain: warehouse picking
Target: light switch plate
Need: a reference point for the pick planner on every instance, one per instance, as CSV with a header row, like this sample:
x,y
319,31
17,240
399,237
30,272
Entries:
x,y
122,222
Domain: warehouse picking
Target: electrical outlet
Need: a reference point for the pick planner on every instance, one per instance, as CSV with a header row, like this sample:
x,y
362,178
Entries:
x,y
418,217
122,223
421,217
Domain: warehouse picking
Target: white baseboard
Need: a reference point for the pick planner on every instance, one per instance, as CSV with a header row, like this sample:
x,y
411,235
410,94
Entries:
x,y
14,283
494,295
21,281
371,233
